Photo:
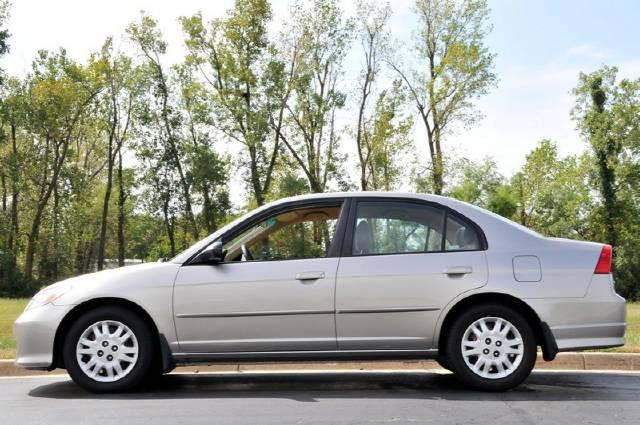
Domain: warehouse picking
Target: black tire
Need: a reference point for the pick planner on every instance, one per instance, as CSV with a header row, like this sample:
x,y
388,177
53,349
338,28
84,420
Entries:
x,y
141,370
457,362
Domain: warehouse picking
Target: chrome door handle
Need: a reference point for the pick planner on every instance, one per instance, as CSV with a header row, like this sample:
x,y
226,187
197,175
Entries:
x,y
310,275
457,270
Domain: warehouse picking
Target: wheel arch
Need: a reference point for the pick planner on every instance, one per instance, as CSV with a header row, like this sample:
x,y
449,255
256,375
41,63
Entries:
x,y
543,336
161,345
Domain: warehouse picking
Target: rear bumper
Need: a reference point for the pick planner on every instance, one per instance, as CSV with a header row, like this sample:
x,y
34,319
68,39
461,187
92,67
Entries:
x,y
595,321
35,332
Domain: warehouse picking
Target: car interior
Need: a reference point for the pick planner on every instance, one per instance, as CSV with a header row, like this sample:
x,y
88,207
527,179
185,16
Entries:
x,y
297,233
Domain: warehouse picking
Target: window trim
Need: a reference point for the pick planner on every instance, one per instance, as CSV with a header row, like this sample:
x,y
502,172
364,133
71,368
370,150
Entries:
x,y
347,241
334,249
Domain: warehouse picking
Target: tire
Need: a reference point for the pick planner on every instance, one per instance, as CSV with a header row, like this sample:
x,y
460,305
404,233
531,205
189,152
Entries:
x,y
116,351
493,361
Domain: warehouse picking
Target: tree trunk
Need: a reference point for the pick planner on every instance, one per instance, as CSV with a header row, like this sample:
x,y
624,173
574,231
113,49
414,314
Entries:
x,y
169,226
207,213
42,203
105,203
606,155
53,273
186,191
121,211
15,197
255,176
3,181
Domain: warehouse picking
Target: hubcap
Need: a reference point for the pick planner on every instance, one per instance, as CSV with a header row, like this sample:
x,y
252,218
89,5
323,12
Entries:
x,y
107,336
492,347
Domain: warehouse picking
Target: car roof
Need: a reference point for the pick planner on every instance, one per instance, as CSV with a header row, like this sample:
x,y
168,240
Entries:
x,y
377,194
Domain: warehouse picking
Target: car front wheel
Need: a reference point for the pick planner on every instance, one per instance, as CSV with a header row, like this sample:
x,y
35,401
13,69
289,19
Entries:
x,y
109,349
491,347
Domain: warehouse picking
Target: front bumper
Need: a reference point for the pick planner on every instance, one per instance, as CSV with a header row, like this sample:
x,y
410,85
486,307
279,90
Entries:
x,y
35,332
595,321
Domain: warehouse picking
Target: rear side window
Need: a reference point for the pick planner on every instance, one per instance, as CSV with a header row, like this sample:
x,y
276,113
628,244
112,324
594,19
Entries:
x,y
460,235
396,227
405,227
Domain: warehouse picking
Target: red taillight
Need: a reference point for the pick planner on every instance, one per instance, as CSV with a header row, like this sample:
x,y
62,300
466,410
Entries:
x,y
605,260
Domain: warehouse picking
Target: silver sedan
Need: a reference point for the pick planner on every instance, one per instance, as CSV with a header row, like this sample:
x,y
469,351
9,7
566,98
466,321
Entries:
x,y
335,276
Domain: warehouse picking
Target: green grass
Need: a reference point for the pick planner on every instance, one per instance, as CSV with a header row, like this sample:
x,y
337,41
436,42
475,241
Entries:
x,y
10,309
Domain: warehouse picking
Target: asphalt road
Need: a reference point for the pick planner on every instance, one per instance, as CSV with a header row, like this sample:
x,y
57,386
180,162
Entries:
x,y
576,398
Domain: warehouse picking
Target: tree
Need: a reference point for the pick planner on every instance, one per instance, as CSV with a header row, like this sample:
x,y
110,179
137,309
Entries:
x,y
386,145
210,169
553,193
607,113
481,184
600,114
163,113
12,117
4,33
320,39
232,55
116,105
59,94
454,68
373,37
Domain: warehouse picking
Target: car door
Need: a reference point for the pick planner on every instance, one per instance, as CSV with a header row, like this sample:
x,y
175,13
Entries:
x,y
403,261
274,291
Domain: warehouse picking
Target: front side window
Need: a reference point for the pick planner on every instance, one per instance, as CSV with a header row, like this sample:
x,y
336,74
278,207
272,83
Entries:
x,y
405,227
397,227
295,234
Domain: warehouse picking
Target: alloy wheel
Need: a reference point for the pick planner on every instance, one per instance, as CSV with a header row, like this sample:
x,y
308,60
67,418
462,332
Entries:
x,y
492,347
107,351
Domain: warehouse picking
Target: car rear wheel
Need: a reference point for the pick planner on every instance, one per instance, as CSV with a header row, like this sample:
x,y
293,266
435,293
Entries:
x,y
491,347
109,349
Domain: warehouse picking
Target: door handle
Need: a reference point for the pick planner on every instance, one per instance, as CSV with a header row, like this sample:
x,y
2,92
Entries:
x,y
310,275
457,270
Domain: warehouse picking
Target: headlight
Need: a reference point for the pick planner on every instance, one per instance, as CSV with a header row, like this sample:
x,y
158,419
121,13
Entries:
x,y
47,296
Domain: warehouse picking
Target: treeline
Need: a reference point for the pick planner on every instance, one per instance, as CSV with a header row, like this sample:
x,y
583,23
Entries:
x,y
126,156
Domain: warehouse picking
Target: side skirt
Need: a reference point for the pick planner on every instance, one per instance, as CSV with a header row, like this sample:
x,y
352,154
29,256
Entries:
x,y
288,356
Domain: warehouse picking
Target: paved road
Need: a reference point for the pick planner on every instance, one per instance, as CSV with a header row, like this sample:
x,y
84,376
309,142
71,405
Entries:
x,y
576,398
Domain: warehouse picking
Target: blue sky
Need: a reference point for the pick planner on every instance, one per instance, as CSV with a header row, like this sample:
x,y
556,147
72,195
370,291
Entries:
x,y
541,47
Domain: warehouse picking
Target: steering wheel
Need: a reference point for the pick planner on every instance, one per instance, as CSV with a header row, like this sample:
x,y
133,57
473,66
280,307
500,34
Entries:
x,y
246,254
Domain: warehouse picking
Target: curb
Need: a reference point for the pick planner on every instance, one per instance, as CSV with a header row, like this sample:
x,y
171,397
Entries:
x,y
564,361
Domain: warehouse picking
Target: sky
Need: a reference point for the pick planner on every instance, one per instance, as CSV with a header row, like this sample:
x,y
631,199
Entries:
x,y
541,48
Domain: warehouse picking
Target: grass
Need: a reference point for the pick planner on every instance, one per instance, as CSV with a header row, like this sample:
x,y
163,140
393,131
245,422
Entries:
x,y
10,309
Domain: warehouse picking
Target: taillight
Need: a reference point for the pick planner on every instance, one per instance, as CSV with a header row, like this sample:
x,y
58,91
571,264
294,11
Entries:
x,y
605,260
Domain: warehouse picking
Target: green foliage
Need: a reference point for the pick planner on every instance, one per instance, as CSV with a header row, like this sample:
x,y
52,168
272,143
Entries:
x,y
319,37
126,158
607,113
4,33
479,183
453,69
553,194
245,84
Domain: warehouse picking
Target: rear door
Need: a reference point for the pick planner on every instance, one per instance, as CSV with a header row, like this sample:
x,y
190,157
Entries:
x,y
403,261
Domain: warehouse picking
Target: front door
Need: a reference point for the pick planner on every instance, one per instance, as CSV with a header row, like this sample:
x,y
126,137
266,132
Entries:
x,y
274,291
405,262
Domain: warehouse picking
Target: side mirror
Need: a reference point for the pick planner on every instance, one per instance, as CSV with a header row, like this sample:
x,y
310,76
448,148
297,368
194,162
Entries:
x,y
213,255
